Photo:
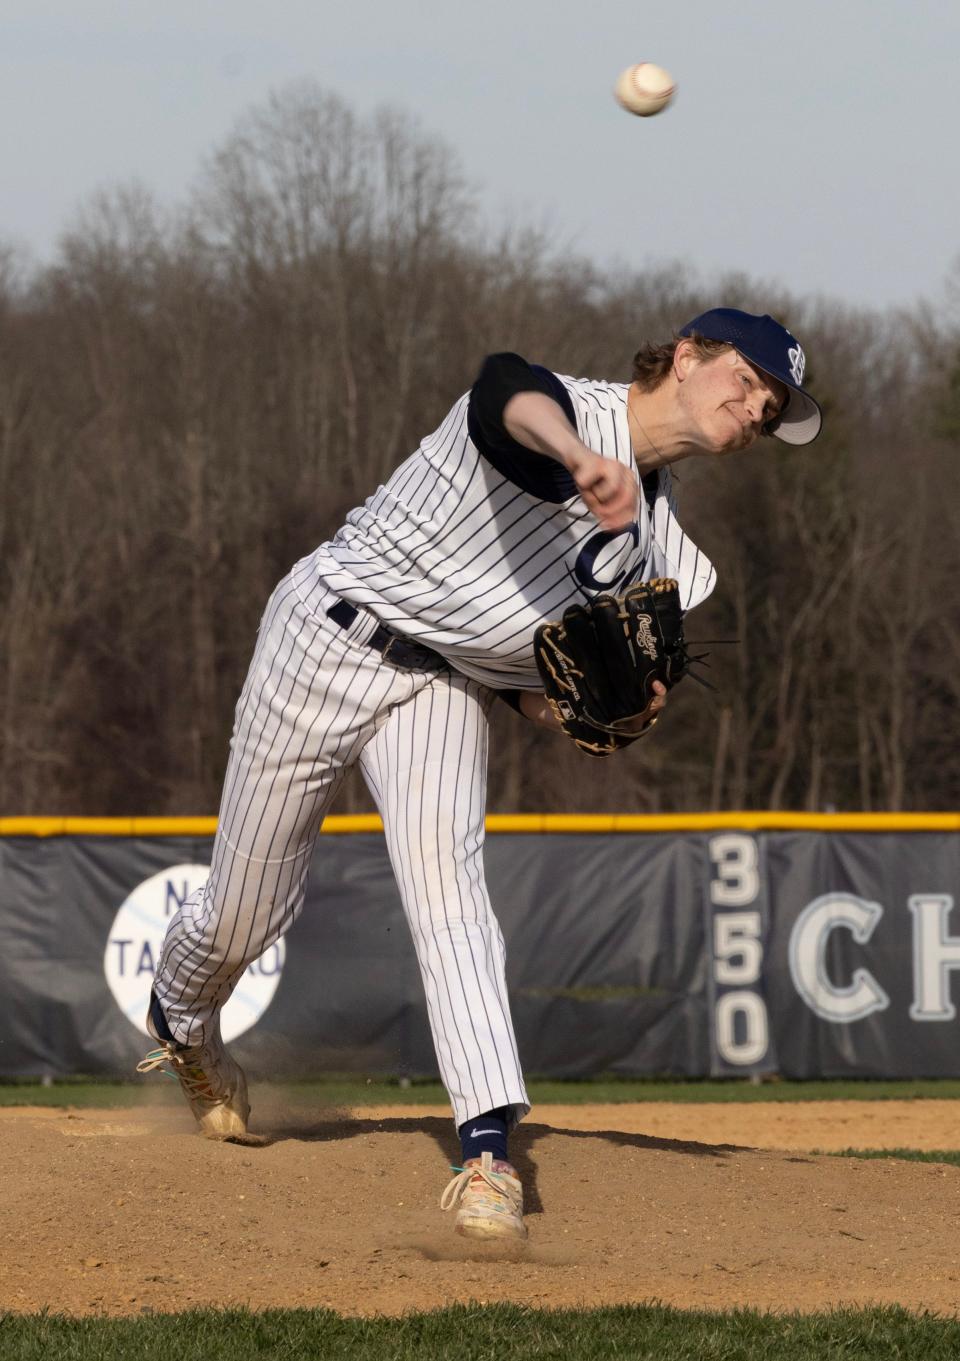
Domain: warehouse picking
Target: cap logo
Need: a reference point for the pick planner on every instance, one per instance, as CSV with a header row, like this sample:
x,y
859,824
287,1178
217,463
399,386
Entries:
x,y
798,363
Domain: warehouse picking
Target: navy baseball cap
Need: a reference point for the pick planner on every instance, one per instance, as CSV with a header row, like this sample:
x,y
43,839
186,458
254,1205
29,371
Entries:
x,y
774,350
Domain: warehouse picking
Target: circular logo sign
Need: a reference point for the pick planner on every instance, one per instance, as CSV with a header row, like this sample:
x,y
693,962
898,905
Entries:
x,y
133,948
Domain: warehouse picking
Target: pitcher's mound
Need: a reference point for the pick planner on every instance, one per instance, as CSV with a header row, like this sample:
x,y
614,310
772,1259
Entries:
x,y
123,1212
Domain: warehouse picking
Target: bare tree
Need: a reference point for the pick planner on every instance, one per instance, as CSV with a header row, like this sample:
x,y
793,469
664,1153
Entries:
x,y
191,401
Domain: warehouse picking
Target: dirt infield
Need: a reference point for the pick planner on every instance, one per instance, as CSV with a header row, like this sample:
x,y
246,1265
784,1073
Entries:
x,y
707,1206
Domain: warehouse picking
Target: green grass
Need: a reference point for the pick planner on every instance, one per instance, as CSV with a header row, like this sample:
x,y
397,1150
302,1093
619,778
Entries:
x,y
910,1155
357,1091
488,1333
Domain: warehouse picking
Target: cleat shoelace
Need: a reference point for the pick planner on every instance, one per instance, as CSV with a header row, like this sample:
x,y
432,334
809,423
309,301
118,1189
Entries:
x,y
190,1073
465,1175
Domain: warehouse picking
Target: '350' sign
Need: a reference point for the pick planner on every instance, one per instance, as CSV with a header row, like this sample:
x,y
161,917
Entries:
x,y
738,903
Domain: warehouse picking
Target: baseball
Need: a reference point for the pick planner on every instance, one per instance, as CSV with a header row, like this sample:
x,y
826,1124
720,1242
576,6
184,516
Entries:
x,y
645,89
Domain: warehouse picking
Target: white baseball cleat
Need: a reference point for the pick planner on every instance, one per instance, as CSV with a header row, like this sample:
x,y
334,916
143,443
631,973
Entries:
x,y
210,1079
490,1200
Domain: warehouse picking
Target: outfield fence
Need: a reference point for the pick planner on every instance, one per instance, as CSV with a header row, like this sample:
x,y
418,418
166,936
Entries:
x,y
813,945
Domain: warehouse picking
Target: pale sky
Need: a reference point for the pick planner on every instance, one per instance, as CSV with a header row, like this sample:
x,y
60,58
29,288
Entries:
x,y
811,144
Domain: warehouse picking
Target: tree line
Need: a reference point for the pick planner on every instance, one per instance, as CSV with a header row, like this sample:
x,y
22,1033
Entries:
x,y
191,400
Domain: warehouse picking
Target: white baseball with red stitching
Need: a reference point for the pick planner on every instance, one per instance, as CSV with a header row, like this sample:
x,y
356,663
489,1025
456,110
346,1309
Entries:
x,y
645,89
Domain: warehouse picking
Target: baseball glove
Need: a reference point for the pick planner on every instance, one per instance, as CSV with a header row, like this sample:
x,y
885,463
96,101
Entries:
x,y
598,663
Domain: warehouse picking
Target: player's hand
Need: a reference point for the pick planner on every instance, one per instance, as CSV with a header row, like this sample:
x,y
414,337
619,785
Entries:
x,y
652,710
535,707
608,489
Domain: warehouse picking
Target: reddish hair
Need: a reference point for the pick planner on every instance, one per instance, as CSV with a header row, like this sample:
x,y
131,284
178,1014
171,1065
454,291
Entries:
x,y
652,363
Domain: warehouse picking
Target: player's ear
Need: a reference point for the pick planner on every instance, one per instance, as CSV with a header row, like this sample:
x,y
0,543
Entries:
x,y
685,359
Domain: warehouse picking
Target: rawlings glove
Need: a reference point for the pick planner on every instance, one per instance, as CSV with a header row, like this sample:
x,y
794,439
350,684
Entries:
x,y
599,662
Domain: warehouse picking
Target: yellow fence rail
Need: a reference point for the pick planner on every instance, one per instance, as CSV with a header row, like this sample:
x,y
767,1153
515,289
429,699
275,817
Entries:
x,y
519,822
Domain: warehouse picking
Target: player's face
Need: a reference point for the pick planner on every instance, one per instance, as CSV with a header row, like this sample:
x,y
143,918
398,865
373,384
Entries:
x,y
729,401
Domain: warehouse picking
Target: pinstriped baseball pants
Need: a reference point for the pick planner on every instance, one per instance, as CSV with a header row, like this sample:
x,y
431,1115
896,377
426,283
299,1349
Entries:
x,y
317,700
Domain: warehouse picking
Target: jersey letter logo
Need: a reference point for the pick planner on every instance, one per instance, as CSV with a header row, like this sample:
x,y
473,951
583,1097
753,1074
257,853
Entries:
x,y
608,560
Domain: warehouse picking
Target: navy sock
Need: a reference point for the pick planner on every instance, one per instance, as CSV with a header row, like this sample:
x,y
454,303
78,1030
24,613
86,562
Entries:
x,y
159,1020
486,1134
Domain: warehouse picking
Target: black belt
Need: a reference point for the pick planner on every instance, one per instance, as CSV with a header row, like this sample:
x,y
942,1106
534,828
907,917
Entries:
x,y
393,647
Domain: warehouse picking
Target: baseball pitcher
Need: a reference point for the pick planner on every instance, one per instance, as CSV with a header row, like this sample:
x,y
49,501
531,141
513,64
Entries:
x,y
529,548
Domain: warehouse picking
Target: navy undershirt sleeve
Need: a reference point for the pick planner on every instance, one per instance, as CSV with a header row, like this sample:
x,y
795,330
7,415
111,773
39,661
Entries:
x,y
511,697
502,377
651,487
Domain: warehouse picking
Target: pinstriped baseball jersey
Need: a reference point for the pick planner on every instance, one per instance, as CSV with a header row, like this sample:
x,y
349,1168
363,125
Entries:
x,y
467,555
470,545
